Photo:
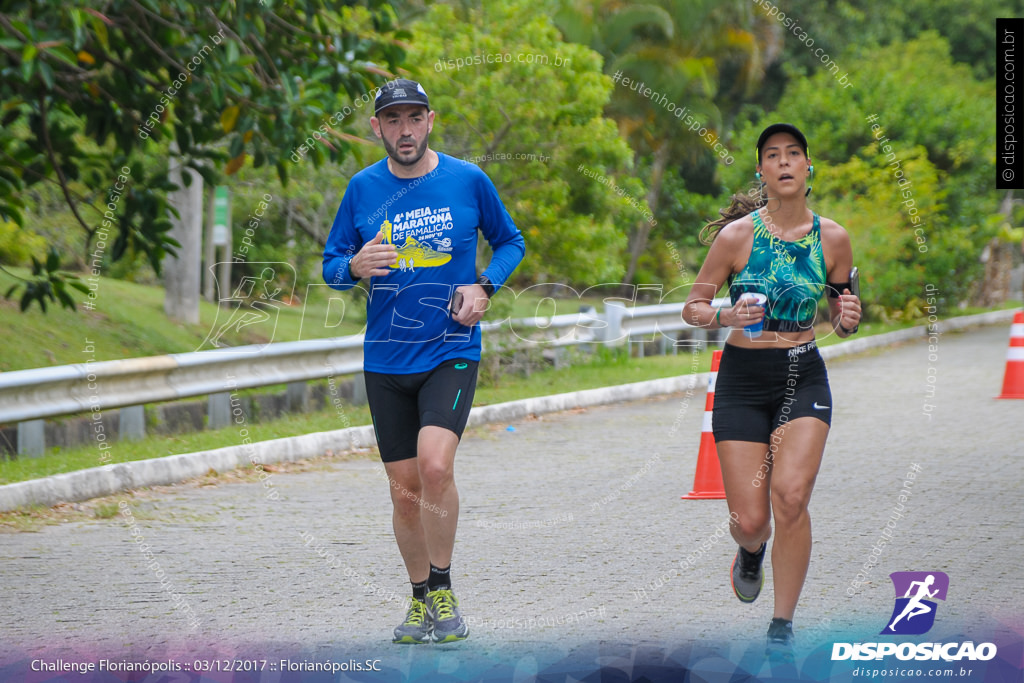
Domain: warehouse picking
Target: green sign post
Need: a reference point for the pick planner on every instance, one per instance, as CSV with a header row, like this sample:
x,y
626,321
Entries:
x,y
220,216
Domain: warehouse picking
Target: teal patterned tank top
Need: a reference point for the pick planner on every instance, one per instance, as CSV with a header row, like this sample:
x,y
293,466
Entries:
x,y
791,274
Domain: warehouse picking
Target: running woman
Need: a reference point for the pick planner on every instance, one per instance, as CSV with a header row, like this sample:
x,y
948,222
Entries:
x,y
407,228
773,405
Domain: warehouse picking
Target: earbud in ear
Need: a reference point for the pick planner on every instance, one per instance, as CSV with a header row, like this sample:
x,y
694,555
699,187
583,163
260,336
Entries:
x,y
757,175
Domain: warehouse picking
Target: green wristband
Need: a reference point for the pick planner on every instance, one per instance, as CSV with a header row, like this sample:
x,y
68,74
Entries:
x,y
718,316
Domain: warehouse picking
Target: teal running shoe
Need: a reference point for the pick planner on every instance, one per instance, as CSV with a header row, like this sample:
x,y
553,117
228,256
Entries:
x,y
780,639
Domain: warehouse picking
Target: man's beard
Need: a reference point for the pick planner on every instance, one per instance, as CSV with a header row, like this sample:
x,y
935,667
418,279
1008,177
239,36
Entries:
x,y
417,154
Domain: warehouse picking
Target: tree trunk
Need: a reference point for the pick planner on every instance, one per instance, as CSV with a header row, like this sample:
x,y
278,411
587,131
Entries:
x,y
998,259
182,274
638,240
995,286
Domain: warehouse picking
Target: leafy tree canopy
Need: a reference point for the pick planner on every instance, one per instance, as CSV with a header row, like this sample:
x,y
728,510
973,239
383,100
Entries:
x,y
904,160
92,91
511,96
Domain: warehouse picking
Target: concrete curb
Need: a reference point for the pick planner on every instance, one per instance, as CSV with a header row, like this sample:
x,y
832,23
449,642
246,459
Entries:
x,y
110,479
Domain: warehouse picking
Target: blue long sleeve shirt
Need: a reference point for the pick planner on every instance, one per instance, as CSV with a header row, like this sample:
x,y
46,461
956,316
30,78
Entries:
x,y
433,222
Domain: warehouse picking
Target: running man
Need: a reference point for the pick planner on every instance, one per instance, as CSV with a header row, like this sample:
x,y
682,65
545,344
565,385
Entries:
x,y
407,226
915,607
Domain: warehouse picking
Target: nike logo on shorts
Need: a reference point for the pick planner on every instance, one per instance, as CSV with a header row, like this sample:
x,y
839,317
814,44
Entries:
x,y
817,407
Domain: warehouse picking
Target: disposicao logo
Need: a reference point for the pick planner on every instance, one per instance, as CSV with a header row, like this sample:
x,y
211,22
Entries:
x,y
916,592
914,614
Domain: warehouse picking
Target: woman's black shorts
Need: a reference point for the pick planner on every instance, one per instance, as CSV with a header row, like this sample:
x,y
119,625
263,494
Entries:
x,y
758,390
402,404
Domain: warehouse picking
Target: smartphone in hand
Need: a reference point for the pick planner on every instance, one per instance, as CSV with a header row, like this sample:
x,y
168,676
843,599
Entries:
x,y
855,287
455,305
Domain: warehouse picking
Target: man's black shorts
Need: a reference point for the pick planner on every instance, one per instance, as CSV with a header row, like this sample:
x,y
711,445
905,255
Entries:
x,y
757,390
402,404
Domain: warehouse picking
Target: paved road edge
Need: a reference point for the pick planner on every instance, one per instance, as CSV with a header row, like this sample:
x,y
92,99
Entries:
x,y
110,479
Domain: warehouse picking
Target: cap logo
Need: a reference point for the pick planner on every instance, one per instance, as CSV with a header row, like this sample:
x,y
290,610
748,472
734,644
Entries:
x,y
398,92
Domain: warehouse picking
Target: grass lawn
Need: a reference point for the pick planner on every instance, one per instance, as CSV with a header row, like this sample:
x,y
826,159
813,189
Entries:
x,y
128,321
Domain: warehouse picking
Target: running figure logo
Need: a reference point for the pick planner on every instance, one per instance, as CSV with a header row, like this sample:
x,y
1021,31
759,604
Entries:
x,y
914,612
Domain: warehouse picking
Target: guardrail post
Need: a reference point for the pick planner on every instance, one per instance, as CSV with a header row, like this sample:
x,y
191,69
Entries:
x,y
358,389
131,423
31,437
611,334
218,410
699,337
297,397
691,345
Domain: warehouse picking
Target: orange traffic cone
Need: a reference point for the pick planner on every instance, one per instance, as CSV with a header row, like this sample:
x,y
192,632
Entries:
x,y
707,482
1013,380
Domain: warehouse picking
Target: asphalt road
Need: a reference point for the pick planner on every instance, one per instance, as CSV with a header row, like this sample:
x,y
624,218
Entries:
x,y
573,542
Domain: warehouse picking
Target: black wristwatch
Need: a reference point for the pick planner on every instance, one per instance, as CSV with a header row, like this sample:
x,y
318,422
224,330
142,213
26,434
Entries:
x,y
488,286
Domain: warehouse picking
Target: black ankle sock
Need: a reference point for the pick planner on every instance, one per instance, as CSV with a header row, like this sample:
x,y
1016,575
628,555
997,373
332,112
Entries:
x,y
779,622
419,591
440,579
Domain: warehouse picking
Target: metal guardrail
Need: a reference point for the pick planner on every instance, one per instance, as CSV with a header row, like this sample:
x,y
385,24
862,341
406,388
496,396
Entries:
x,y
70,389
618,324
28,397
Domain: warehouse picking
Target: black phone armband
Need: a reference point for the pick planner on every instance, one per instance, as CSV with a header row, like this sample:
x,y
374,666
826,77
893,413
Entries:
x,y
836,288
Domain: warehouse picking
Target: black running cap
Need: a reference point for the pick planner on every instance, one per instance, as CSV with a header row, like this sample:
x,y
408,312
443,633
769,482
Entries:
x,y
780,128
400,91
